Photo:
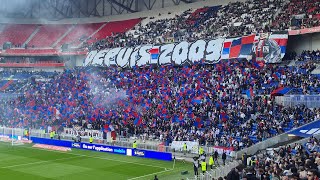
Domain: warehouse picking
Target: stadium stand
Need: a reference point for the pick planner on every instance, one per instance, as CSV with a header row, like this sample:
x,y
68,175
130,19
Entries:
x,y
233,19
47,35
80,31
298,14
228,104
16,34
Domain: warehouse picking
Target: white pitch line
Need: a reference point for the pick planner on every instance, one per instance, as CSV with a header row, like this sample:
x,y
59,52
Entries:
x,y
96,157
150,174
38,162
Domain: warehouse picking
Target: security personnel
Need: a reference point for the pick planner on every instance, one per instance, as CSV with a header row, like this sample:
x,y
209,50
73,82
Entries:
x,y
134,145
184,148
203,166
91,139
201,151
26,133
51,135
253,162
211,161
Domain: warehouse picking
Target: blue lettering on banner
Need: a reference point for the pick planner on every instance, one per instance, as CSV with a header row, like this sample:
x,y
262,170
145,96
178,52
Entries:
x,y
120,151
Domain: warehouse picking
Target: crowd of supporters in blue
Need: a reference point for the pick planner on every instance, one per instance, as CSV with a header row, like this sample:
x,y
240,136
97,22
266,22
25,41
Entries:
x,y
199,102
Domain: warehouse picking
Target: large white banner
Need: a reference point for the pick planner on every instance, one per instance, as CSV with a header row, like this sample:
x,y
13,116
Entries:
x,y
181,53
268,47
191,146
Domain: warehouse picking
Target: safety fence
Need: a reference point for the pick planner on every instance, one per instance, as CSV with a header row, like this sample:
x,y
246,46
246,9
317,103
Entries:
x,y
215,173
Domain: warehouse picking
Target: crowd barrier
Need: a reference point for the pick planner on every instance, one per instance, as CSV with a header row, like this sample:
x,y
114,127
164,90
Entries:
x,y
105,148
310,101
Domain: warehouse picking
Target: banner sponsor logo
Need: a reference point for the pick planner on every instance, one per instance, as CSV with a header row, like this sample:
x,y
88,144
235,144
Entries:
x,y
139,153
76,145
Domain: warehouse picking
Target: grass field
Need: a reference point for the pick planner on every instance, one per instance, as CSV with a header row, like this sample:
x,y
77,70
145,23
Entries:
x,y
25,162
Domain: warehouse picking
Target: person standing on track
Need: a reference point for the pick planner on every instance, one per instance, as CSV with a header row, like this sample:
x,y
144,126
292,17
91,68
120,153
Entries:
x,y
195,166
216,155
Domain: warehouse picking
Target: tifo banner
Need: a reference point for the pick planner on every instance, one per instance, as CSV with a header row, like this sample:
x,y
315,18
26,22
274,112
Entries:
x,y
268,47
220,150
191,146
308,130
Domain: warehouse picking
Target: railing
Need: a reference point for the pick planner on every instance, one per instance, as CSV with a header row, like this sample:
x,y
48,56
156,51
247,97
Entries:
x,y
310,101
219,171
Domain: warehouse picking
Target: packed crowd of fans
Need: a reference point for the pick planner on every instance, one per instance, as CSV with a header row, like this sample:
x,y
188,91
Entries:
x,y
205,103
299,14
287,162
233,19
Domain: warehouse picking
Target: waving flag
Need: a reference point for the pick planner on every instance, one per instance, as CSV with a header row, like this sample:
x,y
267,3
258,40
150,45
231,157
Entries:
x,y
223,116
280,91
197,100
138,121
105,128
249,93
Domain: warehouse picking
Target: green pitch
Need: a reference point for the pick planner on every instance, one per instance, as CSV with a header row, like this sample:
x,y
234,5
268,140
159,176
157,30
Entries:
x,y
24,162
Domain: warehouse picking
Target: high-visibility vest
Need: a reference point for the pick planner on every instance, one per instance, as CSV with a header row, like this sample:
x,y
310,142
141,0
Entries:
x,y
134,145
253,162
203,166
211,161
184,147
91,139
200,150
